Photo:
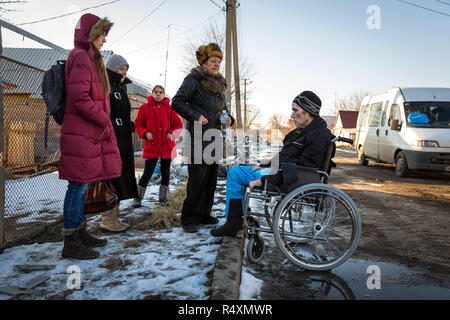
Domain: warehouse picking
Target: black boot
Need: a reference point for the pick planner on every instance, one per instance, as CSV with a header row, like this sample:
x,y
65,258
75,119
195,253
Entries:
x,y
234,221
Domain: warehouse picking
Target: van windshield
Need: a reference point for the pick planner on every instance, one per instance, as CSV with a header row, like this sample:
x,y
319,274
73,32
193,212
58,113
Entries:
x,y
428,114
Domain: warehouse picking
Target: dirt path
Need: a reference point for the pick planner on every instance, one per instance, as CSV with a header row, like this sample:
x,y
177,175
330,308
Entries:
x,y
402,218
405,232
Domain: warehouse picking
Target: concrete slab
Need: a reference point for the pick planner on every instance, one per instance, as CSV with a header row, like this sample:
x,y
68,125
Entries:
x,y
227,271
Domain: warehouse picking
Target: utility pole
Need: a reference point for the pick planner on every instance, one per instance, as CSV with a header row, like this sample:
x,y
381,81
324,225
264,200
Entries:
x,y
245,102
167,56
237,90
228,53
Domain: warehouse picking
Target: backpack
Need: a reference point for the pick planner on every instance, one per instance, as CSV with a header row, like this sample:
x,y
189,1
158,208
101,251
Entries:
x,y
54,94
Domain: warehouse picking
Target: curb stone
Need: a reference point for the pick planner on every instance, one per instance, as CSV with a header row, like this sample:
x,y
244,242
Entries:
x,y
227,271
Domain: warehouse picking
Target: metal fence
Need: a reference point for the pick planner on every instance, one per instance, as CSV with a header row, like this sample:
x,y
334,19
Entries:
x,y
33,192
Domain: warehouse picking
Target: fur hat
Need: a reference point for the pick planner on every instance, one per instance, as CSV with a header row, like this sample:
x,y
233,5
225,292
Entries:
x,y
102,25
205,52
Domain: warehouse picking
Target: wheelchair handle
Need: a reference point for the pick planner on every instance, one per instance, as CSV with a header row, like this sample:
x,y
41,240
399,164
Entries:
x,y
347,140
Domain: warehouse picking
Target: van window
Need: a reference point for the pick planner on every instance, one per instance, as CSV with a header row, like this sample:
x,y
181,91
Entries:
x,y
375,114
437,113
362,120
384,116
394,114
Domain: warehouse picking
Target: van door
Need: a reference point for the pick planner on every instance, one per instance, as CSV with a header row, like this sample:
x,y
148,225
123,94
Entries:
x,y
390,139
373,132
383,136
361,126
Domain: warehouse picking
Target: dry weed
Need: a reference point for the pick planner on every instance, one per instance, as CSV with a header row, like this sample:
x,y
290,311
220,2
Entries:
x,y
115,263
166,217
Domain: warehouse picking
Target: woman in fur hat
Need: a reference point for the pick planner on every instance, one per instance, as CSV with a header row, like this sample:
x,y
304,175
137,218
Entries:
x,y
88,145
201,98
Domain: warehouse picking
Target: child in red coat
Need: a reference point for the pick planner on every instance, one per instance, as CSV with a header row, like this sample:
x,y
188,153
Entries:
x,y
156,123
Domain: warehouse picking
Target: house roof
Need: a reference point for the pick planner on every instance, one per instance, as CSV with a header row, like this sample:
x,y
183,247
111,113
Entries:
x,y
43,59
348,118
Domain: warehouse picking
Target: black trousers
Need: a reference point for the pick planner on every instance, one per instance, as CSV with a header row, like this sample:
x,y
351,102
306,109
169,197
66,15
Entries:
x,y
200,191
150,165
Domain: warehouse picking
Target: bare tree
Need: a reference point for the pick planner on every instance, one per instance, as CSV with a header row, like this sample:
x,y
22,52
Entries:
x,y
215,32
352,101
276,121
253,113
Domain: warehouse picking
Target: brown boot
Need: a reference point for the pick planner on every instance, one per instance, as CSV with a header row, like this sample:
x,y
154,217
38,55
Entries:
x,y
74,247
88,239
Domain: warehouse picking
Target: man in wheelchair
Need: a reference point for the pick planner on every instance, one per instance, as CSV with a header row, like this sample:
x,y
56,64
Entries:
x,y
306,145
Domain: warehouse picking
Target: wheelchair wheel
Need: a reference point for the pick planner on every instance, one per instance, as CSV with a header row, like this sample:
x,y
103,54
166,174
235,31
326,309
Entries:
x,y
255,248
317,226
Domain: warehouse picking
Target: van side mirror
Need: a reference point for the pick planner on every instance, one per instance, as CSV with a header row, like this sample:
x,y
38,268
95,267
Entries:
x,y
395,125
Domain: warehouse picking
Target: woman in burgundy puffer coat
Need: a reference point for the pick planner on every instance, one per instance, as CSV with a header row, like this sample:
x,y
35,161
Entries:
x,y
88,145
157,124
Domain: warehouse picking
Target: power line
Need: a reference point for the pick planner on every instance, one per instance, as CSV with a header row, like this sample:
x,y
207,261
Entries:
x,y
68,14
139,22
217,5
443,2
425,8
178,35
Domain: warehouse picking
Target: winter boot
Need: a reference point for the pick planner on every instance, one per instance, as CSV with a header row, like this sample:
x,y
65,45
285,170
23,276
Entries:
x,y
109,221
116,212
88,239
163,190
234,221
141,192
74,247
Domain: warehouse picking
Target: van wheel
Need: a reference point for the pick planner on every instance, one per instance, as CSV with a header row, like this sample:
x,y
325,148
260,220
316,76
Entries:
x,y
362,157
401,166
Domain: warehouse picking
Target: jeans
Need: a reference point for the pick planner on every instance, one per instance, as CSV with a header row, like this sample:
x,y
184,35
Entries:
x,y
237,178
74,205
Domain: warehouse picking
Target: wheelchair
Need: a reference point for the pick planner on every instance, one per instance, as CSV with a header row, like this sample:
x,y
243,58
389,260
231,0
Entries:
x,y
315,225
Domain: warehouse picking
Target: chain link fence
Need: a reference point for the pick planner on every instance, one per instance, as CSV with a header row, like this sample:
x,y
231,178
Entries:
x,y
33,193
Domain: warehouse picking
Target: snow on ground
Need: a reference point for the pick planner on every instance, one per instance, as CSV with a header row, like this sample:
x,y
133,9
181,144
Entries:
x,y
35,198
154,264
250,286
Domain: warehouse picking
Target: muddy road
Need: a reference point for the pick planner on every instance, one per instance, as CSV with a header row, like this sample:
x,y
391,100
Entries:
x,y
405,232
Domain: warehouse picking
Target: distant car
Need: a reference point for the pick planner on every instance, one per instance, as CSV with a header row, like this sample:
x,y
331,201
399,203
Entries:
x,y
409,127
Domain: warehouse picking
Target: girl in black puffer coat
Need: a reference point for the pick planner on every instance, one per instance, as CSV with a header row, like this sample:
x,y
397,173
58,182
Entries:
x,y
125,185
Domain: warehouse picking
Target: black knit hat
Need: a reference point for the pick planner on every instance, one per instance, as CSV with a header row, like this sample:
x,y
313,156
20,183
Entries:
x,y
309,102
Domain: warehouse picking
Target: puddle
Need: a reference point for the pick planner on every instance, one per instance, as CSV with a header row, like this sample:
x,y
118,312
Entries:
x,y
396,281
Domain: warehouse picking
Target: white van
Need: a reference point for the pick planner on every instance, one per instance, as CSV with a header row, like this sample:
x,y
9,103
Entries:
x,y
409,127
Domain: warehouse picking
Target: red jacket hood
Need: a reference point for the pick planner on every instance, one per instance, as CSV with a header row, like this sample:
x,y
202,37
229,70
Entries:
x,y
164,101
82,30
